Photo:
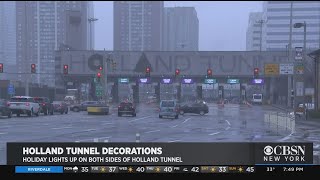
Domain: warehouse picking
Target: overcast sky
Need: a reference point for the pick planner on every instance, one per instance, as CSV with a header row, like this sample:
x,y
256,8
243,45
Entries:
x,y
222,24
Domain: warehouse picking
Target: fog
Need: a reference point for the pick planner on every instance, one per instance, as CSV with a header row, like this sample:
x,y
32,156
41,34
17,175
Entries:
x,y
222,25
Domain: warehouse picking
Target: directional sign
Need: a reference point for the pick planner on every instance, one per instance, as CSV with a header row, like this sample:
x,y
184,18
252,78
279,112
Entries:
x,y
233,81
257,81
210,81
286,68
166,81
271,69
187,81
11,89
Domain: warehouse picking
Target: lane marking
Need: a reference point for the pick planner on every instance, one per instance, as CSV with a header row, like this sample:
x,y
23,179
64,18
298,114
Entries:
x,y
62,128
152,131
285,138
1,133
214,133
174,140
90,130
139,119
227,128
186,120
228,122
107,123
174,126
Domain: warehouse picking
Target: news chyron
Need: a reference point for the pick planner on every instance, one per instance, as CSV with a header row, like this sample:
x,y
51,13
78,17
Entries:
x,y
154,157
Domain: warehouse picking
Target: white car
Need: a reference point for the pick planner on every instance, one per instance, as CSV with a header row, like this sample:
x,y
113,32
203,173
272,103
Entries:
x,y
24,105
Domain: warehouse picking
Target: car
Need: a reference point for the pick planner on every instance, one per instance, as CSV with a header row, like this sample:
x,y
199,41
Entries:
x,y
24,105
127,108
45,105
84,105
196,108
257,99
169,108
60,106
5,108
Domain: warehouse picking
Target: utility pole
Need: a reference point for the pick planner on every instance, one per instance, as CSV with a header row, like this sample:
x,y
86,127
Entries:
x,y
291,81
90,30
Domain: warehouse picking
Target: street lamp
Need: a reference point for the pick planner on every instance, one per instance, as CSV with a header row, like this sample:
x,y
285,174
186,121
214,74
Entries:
x,y
90,21
304,25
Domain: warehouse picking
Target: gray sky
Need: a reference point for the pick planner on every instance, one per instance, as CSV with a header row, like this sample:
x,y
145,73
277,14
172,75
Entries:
x,y
222,24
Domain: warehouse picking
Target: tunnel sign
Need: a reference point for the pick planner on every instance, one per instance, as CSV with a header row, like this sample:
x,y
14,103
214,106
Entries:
x,y
187,81
233,81
123,80
210,81
166,81
271,69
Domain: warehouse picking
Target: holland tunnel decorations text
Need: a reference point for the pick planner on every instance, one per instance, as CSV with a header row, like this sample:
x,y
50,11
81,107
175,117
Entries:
x,y
164,63
158,153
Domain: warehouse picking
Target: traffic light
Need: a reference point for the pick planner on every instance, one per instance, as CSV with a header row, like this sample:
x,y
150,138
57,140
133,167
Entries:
x,y
209,72
100,68
256,72
177,72
1,68
148,70
98,76
65,69
33,68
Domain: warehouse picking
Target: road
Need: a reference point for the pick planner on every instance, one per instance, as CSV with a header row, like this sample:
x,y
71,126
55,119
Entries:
x,y
231,123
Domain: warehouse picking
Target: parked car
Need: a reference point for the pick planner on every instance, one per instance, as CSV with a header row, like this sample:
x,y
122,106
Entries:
x,y
60,106
196,108
127,108
169,108
45,105
5,108
24,105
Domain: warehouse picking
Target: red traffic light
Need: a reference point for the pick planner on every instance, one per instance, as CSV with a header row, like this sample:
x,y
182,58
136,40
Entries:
x,y
256,71
100,68
1,68
65,69
209,72
99,75
33,68
148,70
177,72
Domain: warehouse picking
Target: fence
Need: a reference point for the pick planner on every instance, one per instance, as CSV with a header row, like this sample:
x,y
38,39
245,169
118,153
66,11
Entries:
x,y
280,122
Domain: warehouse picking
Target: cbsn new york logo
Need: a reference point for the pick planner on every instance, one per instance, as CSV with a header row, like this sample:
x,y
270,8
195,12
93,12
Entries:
x,y
287,153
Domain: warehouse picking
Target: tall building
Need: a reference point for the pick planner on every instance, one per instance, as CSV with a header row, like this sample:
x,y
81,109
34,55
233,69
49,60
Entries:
x,y
254,32
277,14
137,25
180,29
46,26
7,33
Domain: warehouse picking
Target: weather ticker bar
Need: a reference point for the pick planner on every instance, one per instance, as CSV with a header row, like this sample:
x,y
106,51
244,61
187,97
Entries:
x,y
236,169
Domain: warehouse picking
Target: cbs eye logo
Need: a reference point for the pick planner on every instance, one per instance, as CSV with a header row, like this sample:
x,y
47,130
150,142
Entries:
x,y
268,150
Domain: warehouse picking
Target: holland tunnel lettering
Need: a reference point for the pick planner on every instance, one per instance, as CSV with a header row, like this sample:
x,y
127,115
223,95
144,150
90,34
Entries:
x,y
164,63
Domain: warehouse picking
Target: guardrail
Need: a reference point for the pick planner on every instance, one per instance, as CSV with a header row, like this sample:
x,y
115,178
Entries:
x,y
280,121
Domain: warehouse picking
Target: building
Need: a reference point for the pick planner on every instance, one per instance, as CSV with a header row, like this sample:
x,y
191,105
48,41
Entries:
x,y
254,32
277,14
137,25
46,26
180,29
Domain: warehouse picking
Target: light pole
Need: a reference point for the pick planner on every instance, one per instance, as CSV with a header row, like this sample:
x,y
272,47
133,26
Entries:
x,y
90,21
304,25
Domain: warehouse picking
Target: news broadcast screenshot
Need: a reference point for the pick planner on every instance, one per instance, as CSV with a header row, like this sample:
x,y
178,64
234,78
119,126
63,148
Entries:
x,y
111,88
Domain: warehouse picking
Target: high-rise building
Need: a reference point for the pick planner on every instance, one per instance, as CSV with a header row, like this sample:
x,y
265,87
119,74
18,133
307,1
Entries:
x,y
7,33
180,29
46,26
137,25
277,14
254,34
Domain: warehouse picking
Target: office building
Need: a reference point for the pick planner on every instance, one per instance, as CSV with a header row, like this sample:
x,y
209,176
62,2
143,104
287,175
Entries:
x,y
254,32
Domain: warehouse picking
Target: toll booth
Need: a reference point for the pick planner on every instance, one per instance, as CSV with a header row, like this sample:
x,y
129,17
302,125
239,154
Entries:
x,y
168,89
146,90
125,91
210,91
188,90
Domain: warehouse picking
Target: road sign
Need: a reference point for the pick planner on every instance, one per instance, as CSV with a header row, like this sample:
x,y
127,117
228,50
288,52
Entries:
x,y
299,68
123,80
286,68
299,53
233,81
210,81
11,89
271,69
